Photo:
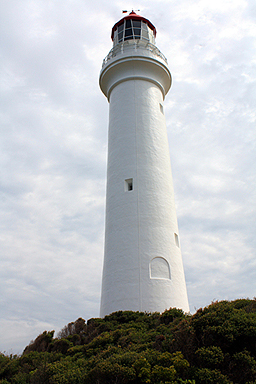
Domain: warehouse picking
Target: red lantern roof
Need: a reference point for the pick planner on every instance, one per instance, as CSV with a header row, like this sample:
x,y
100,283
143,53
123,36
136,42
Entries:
x,y
133,16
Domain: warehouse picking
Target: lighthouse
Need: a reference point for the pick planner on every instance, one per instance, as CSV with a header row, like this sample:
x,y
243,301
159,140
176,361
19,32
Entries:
x,y
143,269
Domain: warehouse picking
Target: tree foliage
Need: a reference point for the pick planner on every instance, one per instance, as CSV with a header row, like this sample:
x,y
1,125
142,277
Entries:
x,y
215,345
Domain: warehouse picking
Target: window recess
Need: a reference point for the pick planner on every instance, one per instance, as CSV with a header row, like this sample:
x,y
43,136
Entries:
x,y
128,185
176,239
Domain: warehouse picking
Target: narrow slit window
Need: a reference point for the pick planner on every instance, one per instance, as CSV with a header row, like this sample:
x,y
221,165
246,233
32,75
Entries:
x,y
128,185
161,108
176,239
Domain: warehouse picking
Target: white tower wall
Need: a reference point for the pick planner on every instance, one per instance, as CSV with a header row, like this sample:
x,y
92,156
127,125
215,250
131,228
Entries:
x,y
143,268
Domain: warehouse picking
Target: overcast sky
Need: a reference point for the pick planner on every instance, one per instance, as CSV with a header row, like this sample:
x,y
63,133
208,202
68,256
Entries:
x,y
53,151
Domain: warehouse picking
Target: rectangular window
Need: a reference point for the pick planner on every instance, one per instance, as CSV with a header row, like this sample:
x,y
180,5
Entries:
x,y
128,185
161,108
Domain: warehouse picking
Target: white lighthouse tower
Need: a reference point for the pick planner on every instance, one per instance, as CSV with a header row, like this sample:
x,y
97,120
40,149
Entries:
x,y
143,268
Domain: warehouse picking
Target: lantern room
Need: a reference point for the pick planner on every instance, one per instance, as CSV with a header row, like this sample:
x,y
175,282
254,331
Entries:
x,y
133,27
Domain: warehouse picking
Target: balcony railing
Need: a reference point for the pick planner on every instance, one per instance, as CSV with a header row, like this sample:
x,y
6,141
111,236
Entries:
x,y
133,45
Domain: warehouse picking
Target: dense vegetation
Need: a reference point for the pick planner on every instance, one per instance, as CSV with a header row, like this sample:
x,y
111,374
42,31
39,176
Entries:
x,y
215,345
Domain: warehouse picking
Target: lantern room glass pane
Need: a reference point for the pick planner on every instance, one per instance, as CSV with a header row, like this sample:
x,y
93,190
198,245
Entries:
x,y
120,37
136,24
136,33
151,36
145,34
128,24
128,33
120,27
115,37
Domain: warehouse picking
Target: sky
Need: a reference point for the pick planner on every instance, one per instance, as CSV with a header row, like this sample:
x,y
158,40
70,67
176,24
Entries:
x,y
53,153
